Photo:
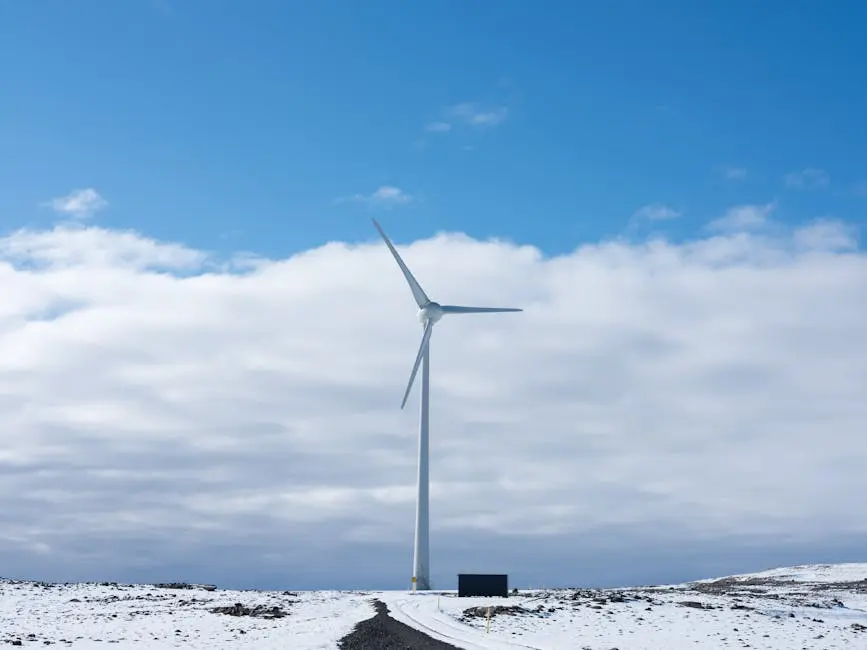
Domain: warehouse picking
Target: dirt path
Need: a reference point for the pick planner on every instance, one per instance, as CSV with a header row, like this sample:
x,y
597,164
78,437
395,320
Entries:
x,y
382,632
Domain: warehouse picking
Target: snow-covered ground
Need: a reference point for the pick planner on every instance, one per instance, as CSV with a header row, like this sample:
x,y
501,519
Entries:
x,y
86,616
814,607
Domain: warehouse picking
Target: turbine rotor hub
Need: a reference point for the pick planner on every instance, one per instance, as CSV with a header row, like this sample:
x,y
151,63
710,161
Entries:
x,y
430,312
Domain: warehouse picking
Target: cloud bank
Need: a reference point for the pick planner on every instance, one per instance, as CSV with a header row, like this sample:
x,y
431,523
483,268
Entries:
x,y
172,416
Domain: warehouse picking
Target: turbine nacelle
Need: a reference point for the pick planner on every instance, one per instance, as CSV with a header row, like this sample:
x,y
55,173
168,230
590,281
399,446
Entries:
x,y
430,313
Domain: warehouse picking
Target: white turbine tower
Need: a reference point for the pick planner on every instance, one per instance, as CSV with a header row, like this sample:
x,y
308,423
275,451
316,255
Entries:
x,y
429,313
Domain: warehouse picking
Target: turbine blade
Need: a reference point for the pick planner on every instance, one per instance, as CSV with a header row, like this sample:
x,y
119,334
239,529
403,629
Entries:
x,y
418,293
457,309
425,339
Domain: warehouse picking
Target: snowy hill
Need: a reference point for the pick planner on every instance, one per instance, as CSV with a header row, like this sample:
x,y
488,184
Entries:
x,y
811,573
817,606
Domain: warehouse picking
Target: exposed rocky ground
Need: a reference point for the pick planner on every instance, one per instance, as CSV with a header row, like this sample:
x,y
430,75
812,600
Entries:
x,y
257,611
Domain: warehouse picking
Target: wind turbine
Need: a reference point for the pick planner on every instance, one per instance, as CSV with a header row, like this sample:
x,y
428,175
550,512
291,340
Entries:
x,y
429,313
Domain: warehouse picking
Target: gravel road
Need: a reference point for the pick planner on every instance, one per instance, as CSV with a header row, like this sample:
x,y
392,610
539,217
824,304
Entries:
x,y
382,632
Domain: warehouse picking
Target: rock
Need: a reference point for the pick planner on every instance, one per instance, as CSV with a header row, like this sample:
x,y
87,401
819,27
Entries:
x,y
695,604
258,611
509,610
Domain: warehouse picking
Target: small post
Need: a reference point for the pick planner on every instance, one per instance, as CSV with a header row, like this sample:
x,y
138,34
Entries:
x,y
414,582
488,624
438,604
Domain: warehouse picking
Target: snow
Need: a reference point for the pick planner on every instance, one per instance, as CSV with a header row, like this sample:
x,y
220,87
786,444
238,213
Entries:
x,y
816,607
92,615
821,573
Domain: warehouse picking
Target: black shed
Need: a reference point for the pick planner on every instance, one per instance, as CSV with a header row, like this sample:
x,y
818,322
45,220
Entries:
x,y
483,584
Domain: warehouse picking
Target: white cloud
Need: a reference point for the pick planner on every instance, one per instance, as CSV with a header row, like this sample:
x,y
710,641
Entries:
x,y
827,234
384,197
809,178
473,114
389,194
656,212
78,203
744,217
438,127
654,395
734,173
470,115
65,247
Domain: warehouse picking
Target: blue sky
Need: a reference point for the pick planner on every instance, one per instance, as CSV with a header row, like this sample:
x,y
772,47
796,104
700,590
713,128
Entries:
x,y
232,125
659,412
